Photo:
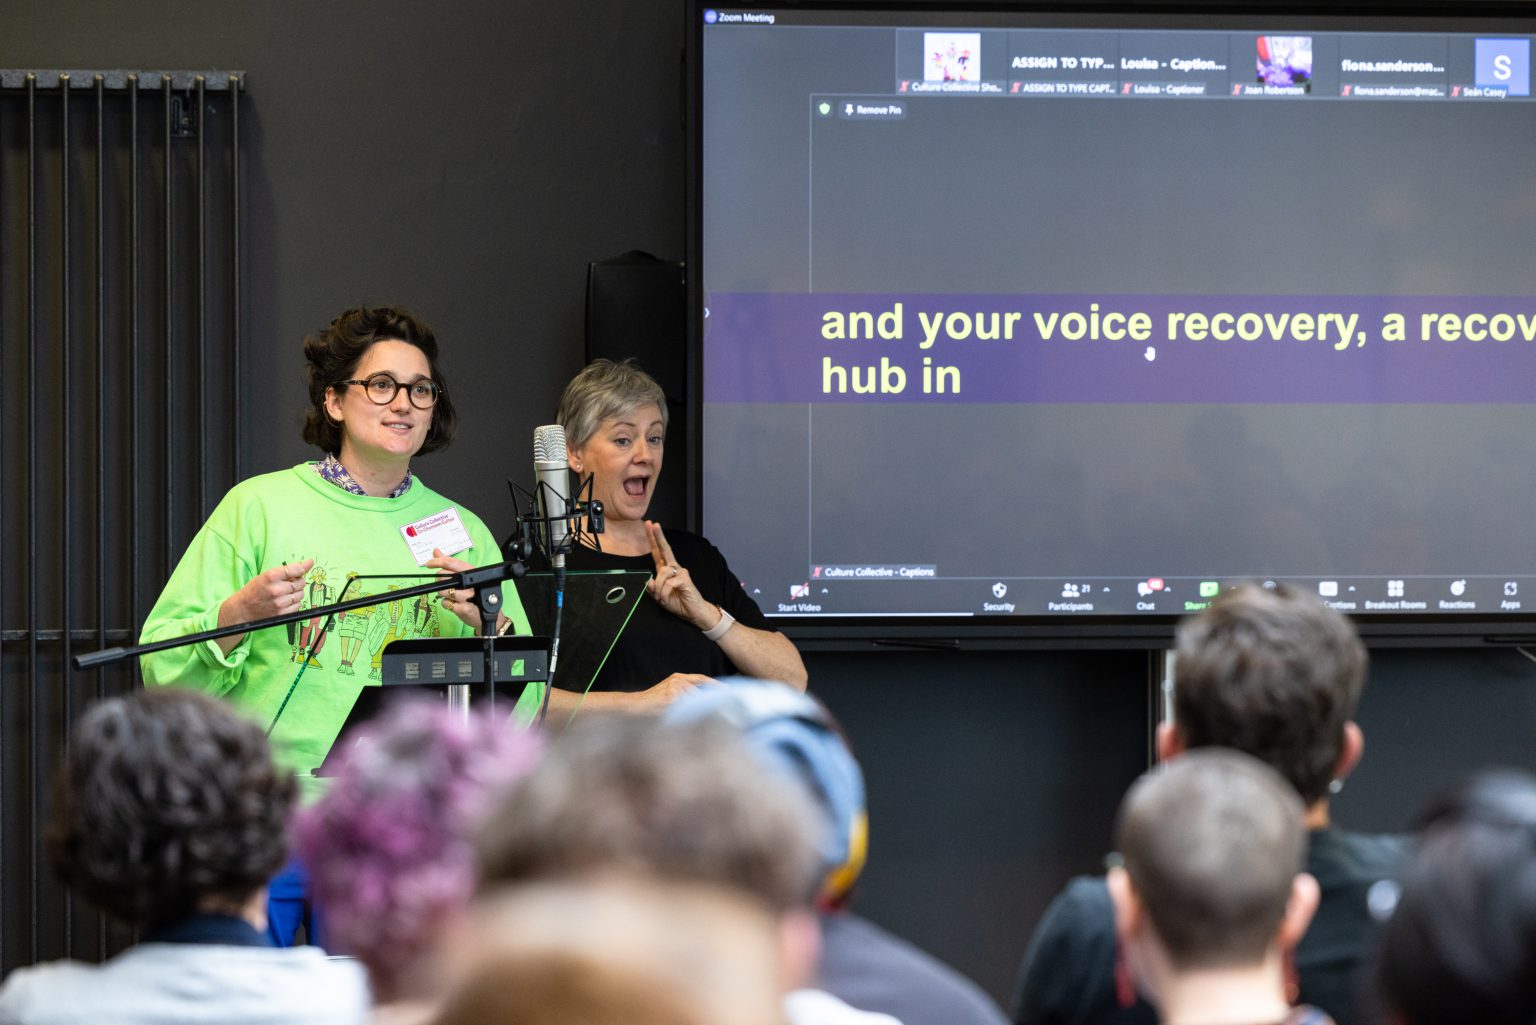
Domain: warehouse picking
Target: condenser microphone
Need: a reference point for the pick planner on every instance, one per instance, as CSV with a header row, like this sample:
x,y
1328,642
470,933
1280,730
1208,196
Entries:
x,y
552,501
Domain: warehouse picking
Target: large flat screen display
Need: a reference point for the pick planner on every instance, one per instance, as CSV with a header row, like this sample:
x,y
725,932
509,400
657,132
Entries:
x,y
1022,318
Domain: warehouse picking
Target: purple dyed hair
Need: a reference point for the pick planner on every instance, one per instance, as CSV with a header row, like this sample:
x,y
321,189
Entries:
x,y
388,846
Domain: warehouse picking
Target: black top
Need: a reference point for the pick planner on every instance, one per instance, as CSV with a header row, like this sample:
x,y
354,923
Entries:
x,y
1068,975
656,643
866,967
220,930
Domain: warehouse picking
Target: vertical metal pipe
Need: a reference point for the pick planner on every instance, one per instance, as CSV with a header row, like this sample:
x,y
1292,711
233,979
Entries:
x,y
101,374
202,312
5,809
234,284
34,776
135,534
169,296
66,525
101,419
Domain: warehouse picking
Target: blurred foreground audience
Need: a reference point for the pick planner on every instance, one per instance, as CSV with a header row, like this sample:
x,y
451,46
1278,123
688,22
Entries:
x,y
618,949
1211,898
683,803
1277,675
798,740
1460,947
389,846
171,816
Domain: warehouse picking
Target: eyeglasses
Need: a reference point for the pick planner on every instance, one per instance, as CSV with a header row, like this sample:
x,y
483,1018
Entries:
x,y
381,390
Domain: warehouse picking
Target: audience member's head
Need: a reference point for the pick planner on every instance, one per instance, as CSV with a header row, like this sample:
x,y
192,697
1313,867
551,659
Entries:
x,y
564,989
1274,673
389,845
685,803
798,739
169,805
1213,846
1461,945
617,948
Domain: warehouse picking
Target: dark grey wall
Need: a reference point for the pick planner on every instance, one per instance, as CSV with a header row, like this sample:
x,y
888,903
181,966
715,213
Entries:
x,y
464,159
468,160
992,778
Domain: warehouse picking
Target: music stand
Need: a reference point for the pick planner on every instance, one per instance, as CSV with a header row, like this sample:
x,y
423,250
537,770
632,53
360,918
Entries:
x,y
598,604
448,667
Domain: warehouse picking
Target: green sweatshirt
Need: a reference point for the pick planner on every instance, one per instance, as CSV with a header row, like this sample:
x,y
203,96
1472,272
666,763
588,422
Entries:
x,y
286,517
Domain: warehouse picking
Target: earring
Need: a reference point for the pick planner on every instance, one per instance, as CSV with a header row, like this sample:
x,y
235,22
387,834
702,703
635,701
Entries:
x,y
1335,786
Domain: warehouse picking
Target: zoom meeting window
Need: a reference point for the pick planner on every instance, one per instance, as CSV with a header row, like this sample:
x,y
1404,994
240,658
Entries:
x,y
1013,320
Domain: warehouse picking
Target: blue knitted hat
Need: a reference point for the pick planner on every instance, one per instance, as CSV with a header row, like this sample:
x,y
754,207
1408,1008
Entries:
x,y
796,737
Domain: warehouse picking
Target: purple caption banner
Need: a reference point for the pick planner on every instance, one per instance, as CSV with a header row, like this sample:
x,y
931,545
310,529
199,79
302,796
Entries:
x,y
1197,349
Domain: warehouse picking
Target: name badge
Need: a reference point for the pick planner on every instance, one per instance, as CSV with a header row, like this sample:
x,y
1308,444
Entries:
x,y
444,531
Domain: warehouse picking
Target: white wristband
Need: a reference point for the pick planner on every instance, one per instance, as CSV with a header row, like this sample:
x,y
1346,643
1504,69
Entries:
x,y
717,631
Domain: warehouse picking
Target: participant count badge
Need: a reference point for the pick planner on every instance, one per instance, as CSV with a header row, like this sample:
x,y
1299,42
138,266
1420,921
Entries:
x,y
444,531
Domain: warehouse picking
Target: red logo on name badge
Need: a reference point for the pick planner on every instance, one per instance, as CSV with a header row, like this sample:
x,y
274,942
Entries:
x,y
410,531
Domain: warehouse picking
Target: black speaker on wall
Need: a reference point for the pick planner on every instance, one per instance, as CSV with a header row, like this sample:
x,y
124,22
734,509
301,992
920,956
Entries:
x,y
636,307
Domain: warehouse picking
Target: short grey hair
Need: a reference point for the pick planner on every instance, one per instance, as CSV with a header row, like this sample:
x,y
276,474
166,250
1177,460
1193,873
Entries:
x,y
602,391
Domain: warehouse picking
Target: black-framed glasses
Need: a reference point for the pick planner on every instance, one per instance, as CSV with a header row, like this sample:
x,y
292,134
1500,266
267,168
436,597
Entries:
x,y
381,389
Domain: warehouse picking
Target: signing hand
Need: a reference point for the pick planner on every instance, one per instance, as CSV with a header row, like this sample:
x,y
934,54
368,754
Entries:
x,y
672,587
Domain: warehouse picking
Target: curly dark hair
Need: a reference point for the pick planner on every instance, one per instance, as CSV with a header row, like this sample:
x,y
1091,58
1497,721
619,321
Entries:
x,y
167,802
333,356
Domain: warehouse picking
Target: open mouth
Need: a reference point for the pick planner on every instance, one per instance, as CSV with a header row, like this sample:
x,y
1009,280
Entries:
x,y
635,486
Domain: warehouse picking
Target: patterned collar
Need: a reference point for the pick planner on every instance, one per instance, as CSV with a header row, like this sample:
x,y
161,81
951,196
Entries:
x,y
330,469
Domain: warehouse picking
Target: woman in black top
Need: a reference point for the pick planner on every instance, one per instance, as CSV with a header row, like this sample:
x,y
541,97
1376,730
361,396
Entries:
x,y
697,623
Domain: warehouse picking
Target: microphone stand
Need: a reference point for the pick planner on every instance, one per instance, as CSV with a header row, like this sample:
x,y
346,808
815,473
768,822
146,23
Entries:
x,y
484,581
487,599
542,529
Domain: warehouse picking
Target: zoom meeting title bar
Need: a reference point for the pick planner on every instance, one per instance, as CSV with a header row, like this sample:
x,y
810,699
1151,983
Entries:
x,y
997,62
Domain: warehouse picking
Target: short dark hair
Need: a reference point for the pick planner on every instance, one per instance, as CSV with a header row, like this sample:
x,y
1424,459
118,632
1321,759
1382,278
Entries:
x,y
1213,842
333,356
168,799
1461,944
686,803
1274,673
